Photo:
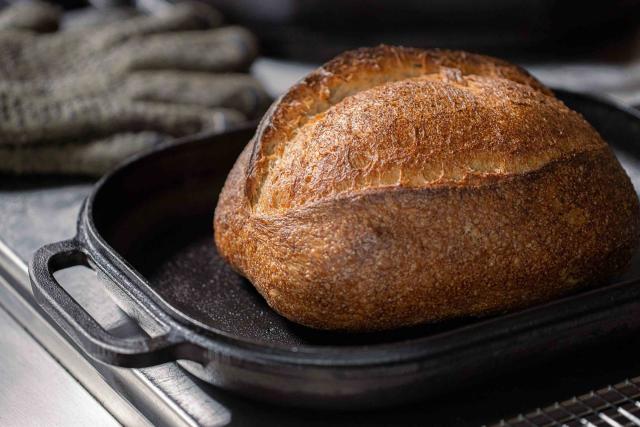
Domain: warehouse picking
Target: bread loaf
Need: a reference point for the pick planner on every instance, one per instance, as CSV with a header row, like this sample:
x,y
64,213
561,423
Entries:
x,y
396,186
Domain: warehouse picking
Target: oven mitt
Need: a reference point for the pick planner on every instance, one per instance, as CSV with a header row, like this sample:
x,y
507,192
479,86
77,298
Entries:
x,y
81,100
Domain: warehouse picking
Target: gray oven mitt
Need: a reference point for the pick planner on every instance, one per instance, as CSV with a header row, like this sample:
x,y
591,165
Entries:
x,y
81,100
40,17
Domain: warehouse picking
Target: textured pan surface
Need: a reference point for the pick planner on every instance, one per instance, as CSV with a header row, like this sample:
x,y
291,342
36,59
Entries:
x,y
178,257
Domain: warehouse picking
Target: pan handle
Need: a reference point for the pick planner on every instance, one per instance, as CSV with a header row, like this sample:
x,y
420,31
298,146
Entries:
x,y
80,325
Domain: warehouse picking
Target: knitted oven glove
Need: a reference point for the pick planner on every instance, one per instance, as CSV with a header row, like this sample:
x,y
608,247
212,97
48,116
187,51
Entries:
x,y
81,100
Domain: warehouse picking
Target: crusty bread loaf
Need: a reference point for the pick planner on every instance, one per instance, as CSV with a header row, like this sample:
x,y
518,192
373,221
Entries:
x,y
397,186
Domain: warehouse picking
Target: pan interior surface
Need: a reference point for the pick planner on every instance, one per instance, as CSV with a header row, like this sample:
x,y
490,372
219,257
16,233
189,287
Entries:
x,y
157,213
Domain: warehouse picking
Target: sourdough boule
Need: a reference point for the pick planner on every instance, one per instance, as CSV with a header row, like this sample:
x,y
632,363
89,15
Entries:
x,y
396,186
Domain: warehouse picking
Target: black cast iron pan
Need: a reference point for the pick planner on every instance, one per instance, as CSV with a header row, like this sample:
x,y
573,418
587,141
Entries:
x,y
147,229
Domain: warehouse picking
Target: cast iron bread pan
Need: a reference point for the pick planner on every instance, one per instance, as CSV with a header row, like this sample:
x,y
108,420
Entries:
x,y
147,230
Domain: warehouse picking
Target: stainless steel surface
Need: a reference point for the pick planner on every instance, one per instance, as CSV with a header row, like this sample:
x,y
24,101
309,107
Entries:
x,y
162,395
36,390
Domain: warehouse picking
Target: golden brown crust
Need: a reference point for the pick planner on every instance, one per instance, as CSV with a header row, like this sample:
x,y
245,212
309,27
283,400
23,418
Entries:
x,y
511,200
357,71
421,133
